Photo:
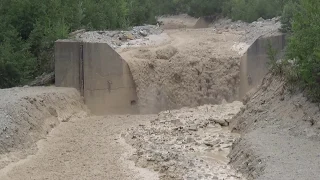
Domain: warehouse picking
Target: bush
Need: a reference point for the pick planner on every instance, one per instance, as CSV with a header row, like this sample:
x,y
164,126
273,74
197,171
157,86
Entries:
x,y
304,47
15,59
286,18
142,11
251,10
199,8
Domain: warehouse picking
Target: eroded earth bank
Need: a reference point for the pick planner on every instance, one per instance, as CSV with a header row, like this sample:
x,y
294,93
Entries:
x,y
280,134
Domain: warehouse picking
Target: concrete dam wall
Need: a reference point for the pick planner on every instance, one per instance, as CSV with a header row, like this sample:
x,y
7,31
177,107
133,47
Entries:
x,y
105,81
254,64
99,73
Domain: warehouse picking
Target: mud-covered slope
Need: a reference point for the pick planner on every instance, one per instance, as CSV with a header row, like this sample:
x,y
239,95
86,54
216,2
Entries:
x,y
280,134
28,115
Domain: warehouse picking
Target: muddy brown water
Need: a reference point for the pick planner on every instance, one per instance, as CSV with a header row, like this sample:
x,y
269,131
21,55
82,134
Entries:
x,y
187,143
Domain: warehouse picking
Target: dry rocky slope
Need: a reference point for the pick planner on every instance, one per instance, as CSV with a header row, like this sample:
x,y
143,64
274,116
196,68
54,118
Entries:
x,y
280,135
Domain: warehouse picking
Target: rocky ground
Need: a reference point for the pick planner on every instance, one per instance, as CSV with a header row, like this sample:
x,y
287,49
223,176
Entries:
x,y
252,31
191,143
136,36
150,35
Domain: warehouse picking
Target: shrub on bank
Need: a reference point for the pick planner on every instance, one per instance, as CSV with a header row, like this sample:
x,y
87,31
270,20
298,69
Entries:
x,y
251,10
304,47
287,14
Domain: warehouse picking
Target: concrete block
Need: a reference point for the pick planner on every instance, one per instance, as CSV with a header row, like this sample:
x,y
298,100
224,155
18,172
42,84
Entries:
x,y
255,62
67,55
108,86
108,83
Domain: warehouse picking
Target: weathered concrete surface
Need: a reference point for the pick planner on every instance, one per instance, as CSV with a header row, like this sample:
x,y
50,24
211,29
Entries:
x,y
254,64
67,64
108,87
108,83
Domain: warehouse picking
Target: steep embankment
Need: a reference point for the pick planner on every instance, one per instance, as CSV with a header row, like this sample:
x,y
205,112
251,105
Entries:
x,y
28,115
280,135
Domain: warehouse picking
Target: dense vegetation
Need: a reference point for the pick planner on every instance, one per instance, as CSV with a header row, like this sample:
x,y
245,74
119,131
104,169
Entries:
x,y
30,27
304,48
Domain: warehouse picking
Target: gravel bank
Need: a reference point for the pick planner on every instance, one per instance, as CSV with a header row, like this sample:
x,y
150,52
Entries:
x,y
280,135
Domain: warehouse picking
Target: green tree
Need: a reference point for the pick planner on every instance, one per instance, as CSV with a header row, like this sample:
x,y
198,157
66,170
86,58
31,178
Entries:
x,y
251,10
286,18
304,46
